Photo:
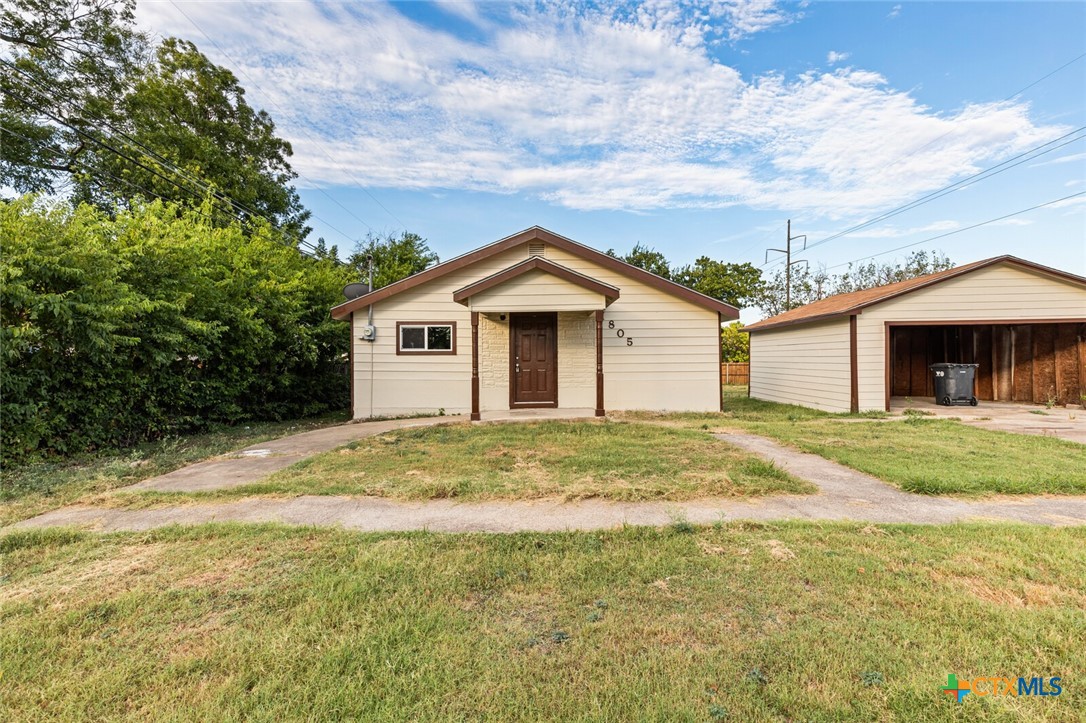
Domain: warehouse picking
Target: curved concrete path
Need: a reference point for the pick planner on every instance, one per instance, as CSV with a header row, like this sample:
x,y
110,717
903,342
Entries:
x,y
260,460
844,494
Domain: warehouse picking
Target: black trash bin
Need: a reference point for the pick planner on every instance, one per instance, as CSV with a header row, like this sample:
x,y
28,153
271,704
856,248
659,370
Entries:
x,y
954,383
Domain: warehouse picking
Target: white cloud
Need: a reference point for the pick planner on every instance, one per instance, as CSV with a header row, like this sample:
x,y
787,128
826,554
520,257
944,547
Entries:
x,y
833,57
894,12
747,17
898,232
590,109
1070,158
1076,201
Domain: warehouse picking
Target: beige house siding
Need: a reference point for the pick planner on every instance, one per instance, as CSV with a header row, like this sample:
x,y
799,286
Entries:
x,y
536,290
806,365
672,363
1000,293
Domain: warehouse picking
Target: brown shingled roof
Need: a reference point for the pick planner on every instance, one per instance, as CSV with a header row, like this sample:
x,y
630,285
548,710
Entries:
x,y
851,303
536,233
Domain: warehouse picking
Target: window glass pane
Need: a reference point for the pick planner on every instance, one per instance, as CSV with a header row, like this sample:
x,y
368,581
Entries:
x,y
440,338
412,337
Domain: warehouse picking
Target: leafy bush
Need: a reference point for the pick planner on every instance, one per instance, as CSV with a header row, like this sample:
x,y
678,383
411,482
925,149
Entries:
x,y
119,328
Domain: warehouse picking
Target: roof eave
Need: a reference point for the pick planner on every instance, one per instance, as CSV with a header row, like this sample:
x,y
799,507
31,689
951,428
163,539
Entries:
x,y
343,310
804,320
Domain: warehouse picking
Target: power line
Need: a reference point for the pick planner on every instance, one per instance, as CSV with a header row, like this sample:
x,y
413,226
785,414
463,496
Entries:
x,y
960,230
159,158
963,183
139,188
789,263
206,188
60,151
317,143
765,240
146,151
83,134
1024,157
912,153
1044,77
932,142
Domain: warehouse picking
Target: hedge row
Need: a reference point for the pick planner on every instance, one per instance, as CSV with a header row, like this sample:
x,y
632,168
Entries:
x,y
123,328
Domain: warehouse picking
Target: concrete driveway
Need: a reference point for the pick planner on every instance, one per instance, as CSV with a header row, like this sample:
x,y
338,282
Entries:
x,y
1036,419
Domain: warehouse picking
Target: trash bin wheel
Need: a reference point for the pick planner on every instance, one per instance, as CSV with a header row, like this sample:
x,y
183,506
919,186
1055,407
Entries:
x,y
946,401
973,401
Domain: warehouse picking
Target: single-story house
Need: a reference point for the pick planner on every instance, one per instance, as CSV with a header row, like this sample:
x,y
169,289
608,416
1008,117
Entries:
x,y
533,320
1024,325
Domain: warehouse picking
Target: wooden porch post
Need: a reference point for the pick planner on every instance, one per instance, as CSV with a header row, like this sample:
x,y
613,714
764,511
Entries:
x,y
854,369
599,363
475,366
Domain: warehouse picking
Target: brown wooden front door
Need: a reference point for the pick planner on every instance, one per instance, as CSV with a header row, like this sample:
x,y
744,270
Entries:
x,y
533,360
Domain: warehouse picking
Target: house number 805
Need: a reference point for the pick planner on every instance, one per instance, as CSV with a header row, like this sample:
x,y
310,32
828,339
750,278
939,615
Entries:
x,y
620,333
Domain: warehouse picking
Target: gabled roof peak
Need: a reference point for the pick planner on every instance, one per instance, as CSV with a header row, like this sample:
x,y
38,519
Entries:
x,y
534,233
853,302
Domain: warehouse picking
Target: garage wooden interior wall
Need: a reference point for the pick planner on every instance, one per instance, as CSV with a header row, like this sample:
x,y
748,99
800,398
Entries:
x,y
1037,363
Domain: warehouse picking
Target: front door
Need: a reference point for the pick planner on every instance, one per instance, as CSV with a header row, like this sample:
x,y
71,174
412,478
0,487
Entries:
x,y
533,360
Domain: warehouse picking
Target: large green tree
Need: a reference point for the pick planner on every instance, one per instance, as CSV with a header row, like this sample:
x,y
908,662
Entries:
x,y
734,343
61,59
644,257
735,284
809,286
194,115
394,257
92,105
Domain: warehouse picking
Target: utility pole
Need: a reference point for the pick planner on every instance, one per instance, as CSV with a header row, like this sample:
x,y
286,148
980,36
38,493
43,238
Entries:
x,y
788,262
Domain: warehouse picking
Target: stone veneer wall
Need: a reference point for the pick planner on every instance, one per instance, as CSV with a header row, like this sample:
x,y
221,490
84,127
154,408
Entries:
x,y
494,354
576,360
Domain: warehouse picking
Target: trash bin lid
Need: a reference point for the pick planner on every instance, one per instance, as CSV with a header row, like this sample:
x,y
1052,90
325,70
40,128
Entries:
x,y
951,365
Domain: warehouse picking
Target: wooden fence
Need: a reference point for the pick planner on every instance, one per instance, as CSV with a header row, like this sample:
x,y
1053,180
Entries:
x,y
735,372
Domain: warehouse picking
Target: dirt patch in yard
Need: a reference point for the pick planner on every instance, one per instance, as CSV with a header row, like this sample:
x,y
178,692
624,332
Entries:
x,y
76,581
1024,594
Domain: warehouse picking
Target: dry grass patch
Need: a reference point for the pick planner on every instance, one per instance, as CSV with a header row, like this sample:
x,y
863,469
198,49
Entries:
x,y
626,624
567,460
918,454
48,483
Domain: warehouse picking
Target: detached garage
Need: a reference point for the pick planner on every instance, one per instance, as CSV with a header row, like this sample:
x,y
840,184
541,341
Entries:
x,y
1024,325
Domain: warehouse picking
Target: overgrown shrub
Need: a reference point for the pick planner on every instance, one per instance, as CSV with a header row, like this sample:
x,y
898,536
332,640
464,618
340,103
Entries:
x,y
152,321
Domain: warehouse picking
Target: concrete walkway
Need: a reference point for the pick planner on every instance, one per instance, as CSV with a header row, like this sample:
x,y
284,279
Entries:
x,y
844,495
260,460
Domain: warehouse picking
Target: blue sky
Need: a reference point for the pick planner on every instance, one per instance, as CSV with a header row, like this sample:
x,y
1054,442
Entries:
x,y
696,128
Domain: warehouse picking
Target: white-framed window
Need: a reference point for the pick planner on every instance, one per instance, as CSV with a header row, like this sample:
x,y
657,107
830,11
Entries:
x,y
426,337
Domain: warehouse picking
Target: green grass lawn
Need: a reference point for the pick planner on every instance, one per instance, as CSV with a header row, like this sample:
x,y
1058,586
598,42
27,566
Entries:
x,y
30,489
571,460
929,456
734,622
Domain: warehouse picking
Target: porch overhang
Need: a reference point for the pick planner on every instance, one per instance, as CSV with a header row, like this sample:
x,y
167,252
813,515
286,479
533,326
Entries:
x,y
536,285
